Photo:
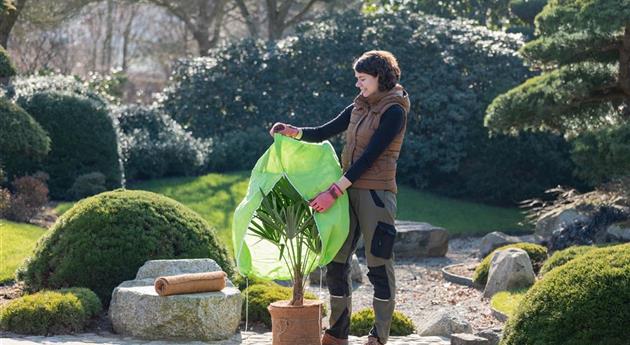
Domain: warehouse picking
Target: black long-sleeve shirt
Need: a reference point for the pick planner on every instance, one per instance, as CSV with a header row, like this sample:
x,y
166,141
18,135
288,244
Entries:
x,y
391,123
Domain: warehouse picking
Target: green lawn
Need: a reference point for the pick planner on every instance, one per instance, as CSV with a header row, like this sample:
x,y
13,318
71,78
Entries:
x,y
215,197
17,242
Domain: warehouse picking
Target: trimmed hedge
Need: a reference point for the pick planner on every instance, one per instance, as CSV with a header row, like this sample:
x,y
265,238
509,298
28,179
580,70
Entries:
x,y
103,240
362,321
584,302
23,142
50,312
537,255
83,139
261,294
561,257
7,68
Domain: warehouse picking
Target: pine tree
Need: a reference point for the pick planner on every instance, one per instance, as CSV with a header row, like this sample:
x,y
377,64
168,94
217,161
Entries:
x,y
583,50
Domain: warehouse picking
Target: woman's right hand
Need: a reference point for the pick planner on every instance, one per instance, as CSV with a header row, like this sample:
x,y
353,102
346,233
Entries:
x,y
284,129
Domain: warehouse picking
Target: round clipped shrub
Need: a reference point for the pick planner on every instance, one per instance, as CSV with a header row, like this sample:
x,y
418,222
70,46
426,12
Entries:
x,y
22,140
537,255
50,312
261,294
362,321
87,185
584,302
154,145
561,257
103,240
7,69
83,139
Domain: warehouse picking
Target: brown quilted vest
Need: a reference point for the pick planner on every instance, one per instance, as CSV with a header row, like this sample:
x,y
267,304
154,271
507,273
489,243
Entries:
x,y
364,121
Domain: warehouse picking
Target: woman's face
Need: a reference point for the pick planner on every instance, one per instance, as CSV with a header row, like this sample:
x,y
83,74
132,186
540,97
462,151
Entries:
x,y
366,83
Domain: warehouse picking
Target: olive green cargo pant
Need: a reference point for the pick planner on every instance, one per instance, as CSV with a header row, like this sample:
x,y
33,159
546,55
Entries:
x,y
372,214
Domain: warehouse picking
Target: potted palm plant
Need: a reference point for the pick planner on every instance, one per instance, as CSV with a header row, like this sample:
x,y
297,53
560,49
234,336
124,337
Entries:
x,y
285,220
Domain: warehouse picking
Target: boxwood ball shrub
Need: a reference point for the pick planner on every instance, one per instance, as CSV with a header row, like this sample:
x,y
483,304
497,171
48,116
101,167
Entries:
x,y
362,321
561,257
584,302
83,139
537,255
50,312
23,142
261,294
103,240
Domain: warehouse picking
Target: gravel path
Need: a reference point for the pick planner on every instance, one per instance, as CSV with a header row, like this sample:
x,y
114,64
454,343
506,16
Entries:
x,y
421,289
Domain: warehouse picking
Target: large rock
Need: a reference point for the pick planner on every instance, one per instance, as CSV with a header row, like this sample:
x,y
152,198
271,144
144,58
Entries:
x,y
415,239
498,239
355,273
493,335
546,226
509,269
137,310
468,339
443,323
619,232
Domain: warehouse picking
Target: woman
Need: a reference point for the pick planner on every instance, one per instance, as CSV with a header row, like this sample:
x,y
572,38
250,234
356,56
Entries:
x,y
375,125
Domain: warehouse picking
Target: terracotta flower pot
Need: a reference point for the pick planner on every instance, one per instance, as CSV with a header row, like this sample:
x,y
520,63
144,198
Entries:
x,y
296,325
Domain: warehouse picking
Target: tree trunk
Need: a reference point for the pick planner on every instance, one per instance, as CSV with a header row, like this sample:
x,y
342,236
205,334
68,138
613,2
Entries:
x,y
298,289
109,32
7,21
624,63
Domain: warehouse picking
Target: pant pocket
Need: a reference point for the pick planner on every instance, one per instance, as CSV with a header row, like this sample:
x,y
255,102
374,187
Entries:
x,y
383,240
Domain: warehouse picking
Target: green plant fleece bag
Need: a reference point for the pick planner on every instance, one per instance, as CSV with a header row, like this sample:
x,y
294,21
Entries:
x,y
310,168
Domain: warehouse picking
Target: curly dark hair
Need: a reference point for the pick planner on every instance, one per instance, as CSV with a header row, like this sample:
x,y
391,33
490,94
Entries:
x,y
379,63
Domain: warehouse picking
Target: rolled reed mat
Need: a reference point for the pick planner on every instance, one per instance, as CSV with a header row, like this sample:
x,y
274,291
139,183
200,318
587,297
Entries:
x,y
190,283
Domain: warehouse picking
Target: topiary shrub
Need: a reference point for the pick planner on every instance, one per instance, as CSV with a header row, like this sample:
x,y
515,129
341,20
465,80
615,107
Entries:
x,y
7,69
24,87
537,255
561,257
23,142
362,321
103,240
83,139
154,145
261,294
50,312
584,302
87,185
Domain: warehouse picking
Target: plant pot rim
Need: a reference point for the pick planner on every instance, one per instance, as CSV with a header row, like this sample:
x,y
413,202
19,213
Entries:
x,y
307,303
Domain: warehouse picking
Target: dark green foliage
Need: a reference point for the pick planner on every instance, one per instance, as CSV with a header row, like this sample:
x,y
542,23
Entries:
x,y
585,86
7,69
526,10
155,146
603,154
363,320
451,69
261,294
83,139
584,302
103,240
537,255
87,185
62,311
23,142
